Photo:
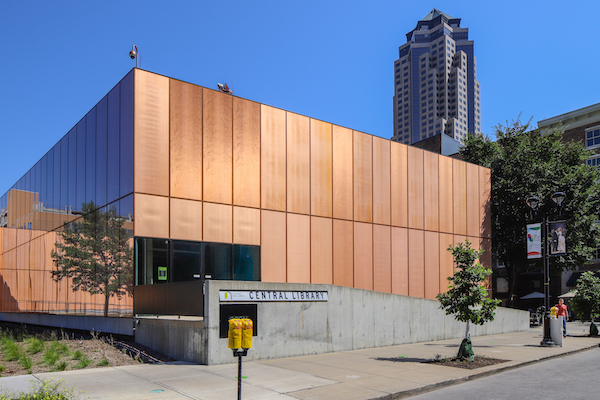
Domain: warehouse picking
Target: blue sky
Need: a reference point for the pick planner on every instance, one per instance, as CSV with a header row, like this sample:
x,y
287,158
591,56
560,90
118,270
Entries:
x,y
331,60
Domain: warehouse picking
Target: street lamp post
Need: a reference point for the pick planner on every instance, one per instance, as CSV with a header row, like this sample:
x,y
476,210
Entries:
x,y
533,202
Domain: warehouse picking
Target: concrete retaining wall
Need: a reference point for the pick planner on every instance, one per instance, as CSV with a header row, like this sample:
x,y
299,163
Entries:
x,y
119,326
352,319
182,339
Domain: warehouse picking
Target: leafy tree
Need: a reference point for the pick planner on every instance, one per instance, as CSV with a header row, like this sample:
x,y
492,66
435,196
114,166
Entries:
x,y
467,298
524,163
586,302
95,253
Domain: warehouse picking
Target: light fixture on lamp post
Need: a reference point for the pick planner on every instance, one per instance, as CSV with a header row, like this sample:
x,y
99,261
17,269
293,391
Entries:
x,y
134,54
533,202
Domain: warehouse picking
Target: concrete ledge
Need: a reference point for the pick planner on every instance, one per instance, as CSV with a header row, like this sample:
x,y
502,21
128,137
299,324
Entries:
x,y
351,319
118,326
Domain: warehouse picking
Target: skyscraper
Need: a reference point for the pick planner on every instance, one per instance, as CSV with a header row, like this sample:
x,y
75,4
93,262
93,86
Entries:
x,y
436,89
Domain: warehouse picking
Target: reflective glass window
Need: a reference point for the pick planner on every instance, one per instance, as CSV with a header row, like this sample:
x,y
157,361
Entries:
x,y
80,193
56,183
185,261
90,157
101,127
50,179
44,181
64,173
72,175
246,263
126,136
216,259
152,258
112,170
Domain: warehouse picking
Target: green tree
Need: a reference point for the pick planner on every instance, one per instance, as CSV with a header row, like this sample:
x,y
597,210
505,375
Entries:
x,y
467,298
524,163
586,302
95,253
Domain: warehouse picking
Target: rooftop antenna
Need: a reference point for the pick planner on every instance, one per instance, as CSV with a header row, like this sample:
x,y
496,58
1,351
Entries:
x,y
134,55
224,88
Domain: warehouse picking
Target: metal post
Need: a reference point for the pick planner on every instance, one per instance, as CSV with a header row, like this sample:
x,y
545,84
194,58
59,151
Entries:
x,y
547,341
239,377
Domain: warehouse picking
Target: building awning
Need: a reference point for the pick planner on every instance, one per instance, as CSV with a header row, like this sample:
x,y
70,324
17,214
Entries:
x,y
572,282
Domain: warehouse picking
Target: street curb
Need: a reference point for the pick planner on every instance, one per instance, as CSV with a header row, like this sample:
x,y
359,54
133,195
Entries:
x,y
435,386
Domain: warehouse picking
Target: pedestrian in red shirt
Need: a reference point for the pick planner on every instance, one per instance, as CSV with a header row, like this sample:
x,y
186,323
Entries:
x,y
562,312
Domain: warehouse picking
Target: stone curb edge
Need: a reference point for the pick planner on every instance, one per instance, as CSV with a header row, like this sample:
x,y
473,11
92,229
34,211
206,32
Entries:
x,y
435,386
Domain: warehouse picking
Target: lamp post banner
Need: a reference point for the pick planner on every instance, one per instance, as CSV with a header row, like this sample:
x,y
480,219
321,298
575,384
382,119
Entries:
x,y
534,240
558,236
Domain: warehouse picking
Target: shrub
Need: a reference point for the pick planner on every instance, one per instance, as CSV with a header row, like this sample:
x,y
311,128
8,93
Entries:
x,y
34,345
26,363
103,363
10,350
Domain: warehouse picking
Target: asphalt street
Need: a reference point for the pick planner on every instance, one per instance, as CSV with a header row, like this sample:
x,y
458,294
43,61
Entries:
x,y
570,377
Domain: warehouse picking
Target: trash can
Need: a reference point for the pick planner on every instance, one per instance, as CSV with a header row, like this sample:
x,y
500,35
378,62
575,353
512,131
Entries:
x,y
556,330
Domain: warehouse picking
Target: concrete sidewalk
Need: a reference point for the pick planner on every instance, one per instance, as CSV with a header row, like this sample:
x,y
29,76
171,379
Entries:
x,y
390,372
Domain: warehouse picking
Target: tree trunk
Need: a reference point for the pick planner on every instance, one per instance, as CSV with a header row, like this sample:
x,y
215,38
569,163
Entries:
x,y
106,298
511,275
467,332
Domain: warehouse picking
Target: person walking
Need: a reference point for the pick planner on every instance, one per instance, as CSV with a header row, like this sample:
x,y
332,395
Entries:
x,y
562,312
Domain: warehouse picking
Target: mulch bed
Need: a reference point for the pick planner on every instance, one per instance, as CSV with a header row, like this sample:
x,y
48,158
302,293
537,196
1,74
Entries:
x,y
478,362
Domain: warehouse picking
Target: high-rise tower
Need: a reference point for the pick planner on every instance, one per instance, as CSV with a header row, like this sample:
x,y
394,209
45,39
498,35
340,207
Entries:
x,y
436,88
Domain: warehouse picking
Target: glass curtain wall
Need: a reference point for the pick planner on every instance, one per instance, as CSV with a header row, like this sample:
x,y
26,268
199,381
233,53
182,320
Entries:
x,y
89,171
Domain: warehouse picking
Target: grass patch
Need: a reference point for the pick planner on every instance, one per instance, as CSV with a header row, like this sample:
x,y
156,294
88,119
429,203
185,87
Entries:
x,y
103,363
50,357
83,360
59,348
61,366
26,363
34,345
10,350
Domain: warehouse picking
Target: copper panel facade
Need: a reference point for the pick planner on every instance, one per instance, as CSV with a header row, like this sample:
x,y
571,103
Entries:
x,y
321,169
382,258
151,138
217,223
151,216
473,203
186,219
446,260
186,140
298,248
431,190
217,120
246,226
415,188
381,181
343,253
486,258
298,163
273,158
246,153
321,250
273,247
363,177
446,203
342,173
485,206
400,261
416,263
459,191
363,256
432,264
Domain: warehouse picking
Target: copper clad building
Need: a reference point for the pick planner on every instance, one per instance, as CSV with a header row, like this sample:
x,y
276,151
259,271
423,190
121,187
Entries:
x,y
213,186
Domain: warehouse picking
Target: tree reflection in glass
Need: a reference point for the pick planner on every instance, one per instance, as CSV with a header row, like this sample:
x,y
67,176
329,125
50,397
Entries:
x,y
95,252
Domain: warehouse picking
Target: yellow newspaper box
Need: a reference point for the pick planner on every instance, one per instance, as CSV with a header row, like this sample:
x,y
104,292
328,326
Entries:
x,y
235,333
247,331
